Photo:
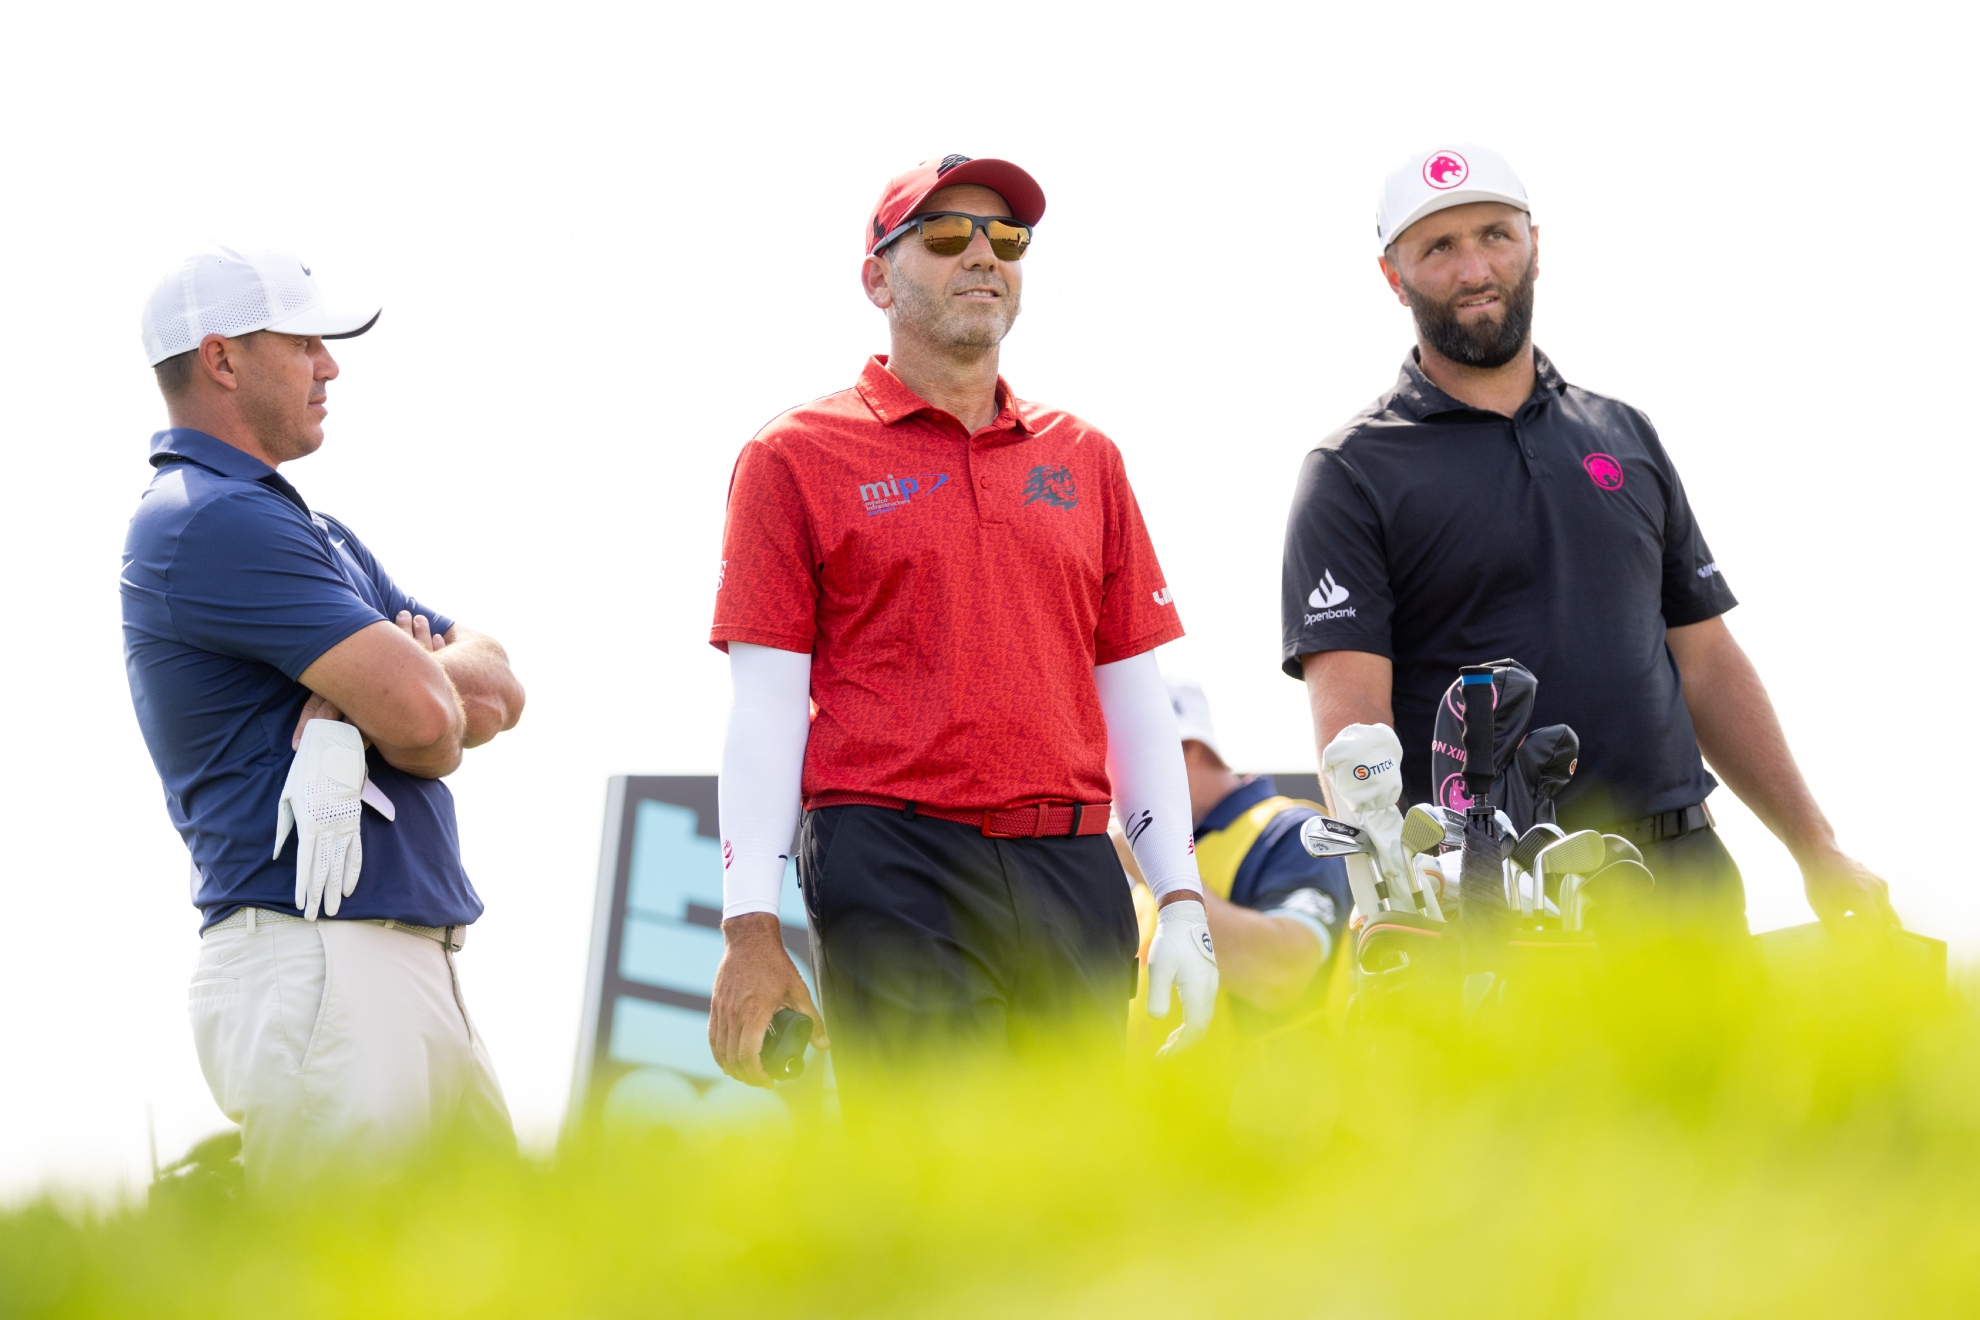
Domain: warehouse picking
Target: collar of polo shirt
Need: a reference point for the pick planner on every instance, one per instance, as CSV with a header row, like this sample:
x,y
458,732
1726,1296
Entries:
x,y
893,402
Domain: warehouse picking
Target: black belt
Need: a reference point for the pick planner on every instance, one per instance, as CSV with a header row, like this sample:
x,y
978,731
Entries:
x,y
1667,825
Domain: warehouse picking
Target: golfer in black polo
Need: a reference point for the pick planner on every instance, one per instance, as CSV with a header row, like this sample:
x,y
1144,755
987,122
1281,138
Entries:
x,y
1485,508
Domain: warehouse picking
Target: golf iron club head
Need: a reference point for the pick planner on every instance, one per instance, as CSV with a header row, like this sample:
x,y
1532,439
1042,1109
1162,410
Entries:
x,y
1523,858
1527,850
1614,886
1621,849
1428,829
1323,836
1580,853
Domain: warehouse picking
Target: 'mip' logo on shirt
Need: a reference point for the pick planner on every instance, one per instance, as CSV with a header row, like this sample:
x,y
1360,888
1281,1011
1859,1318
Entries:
x,y
898,492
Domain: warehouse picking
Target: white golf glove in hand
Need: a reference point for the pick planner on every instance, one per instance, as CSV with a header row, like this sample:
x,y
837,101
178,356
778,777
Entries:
x,y
323,799
1182,956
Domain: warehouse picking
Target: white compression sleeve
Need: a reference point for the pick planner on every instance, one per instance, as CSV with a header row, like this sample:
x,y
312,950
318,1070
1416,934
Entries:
x,y
762,770
1144,759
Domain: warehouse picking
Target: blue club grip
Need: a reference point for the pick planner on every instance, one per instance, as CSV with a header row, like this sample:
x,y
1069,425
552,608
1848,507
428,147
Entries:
x,y
1475,685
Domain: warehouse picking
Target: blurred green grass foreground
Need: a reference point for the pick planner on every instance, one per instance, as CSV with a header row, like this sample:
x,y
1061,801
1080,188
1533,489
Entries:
x,y
1674,1135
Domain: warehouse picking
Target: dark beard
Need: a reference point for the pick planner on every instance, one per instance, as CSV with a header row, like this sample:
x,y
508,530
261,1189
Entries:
x,y
1485,343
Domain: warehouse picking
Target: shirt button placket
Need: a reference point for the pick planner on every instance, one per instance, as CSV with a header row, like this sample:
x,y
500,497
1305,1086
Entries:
x,y
1524,446
979,477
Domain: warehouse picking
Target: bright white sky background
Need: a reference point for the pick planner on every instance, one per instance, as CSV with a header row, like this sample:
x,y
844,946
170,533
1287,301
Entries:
x,y
613,241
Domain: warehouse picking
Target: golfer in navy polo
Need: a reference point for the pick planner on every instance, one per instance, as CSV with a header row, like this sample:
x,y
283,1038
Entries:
x,y
1484,508
301,709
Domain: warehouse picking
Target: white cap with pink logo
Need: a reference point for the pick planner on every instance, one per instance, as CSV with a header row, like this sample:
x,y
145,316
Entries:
x,y
1443,177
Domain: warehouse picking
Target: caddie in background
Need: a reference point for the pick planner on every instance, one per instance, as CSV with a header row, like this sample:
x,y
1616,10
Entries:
x,y
301,710
1276,913
962,583
1485,508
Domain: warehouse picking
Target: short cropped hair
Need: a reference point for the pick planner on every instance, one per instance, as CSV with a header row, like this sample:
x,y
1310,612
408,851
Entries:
x,y
175,373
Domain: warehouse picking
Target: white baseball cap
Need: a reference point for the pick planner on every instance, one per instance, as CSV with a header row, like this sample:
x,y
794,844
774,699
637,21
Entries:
x,y
1443,177
228,291
1192,713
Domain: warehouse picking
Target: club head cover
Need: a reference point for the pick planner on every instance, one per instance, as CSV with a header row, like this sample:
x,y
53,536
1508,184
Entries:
x,y
1513,688
1362,768
1542,766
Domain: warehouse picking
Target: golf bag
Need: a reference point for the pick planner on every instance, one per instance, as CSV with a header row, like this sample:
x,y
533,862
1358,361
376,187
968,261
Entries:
x,y
1524,888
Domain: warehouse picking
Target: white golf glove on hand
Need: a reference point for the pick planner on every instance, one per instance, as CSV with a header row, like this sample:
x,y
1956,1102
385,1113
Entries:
x,y
1182,956
323,799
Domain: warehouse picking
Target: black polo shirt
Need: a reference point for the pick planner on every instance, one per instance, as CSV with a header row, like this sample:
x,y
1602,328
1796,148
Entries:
x,y
1438,535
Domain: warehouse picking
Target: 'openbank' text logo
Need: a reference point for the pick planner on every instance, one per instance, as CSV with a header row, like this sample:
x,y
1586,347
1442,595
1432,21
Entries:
x,y
1325,598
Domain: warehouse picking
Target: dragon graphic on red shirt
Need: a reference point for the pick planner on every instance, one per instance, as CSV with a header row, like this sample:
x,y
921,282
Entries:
x,y
1054,485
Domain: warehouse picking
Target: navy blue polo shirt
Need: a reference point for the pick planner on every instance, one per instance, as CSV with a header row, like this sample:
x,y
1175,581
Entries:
x,y
231,588
1440,535
1278,877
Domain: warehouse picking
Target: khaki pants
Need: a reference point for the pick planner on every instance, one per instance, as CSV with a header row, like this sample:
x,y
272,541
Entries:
x,y
334,1042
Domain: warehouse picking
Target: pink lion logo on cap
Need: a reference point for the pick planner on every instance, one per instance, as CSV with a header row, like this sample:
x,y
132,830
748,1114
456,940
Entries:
x,y
1604,471
1445,170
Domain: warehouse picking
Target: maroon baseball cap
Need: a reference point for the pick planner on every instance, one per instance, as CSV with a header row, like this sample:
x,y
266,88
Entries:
x,y
905,193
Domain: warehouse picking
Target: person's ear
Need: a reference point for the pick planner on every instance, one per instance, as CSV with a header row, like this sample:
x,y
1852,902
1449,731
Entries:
x,y
1394,278
219,357
877,278
1535,231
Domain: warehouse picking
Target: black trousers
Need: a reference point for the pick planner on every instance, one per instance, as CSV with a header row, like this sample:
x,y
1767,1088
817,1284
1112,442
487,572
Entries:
x,y
1698,883
927,936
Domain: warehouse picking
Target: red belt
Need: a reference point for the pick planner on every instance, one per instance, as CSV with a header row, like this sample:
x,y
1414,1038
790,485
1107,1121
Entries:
x,y
1039,820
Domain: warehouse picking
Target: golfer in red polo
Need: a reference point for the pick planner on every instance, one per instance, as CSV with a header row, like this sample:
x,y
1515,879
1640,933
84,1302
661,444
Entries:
x,y
940,605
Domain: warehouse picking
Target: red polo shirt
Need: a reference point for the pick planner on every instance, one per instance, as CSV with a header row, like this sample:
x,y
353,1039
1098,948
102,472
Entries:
x,y
955,591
